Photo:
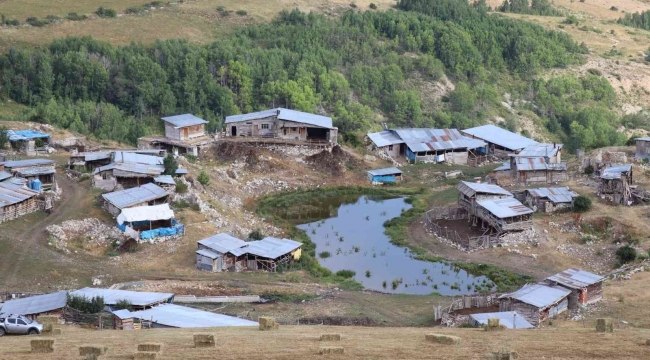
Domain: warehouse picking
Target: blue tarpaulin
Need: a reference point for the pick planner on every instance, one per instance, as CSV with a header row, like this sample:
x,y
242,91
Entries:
x,y
21,135
384,179
150,234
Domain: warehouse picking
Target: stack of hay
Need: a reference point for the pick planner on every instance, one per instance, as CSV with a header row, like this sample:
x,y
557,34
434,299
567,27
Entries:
x,y
149,351
503,354
92,352
268,323
42,346
203,340
48,322
493,325
443,339
604,325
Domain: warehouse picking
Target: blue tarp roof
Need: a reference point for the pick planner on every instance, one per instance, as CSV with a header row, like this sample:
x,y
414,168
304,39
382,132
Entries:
x,y
21,135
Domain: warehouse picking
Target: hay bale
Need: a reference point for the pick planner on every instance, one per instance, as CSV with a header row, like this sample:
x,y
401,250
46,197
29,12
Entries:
x,y
267,323
493,322
92,350
150,347
47,328
443,339
42,346
56,331
203,340
604,325
330,337
503,354
143,355
326,350
48,319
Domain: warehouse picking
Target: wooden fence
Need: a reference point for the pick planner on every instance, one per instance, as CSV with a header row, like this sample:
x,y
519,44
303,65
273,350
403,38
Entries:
x,y
457,213
465,302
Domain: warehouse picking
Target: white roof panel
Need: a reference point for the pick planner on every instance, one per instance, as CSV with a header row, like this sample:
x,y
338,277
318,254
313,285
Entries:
x,y
165,179
540,150
146,213
576,278
137,195
437,139
185,317
271,247
615,172
555,194
471,188
539,295
504,208
222,243
112,296
28,162
35,304
506,318
284,114
208,253
385,171
11,193
499,136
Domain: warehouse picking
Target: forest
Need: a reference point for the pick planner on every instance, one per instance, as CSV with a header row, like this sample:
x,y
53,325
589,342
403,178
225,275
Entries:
x,y
637,20
351,68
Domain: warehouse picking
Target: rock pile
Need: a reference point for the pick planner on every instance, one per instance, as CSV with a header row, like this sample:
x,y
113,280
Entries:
x,y
92,231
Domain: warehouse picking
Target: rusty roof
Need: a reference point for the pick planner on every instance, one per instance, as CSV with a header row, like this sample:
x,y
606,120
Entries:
x,y
437,139
575,278
560,194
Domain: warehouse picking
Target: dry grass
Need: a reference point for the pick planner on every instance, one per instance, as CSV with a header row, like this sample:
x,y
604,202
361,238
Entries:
x,y
292,342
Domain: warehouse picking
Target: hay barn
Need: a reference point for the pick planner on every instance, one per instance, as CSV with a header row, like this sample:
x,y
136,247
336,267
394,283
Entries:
x,y
586,288
500,142
549,199
615,184
36,305
16,201
504,215
184,134
536,303
145,195
386,175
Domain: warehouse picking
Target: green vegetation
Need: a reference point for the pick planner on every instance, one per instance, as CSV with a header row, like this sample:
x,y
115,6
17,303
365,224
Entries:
x,y
4,137
537,7
37,22
346,274
86,305
105,13
241,12
324,254
275,296
123,304
626,254
255,235
170,164
73,16
637,20
203,178
181,187
582,204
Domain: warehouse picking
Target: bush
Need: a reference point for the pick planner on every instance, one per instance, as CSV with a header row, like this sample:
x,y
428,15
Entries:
x,y
12,22
571,20
52,18
589,169
373,6
582,204
242,12
37,22
346,274
123,304
324,254
85,305
614,8
626,254
105,13
170,164
203,178
181,187
73,16
135,10
256,235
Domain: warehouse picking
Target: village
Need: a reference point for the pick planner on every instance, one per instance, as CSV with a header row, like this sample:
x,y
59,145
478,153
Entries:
x,y
506,196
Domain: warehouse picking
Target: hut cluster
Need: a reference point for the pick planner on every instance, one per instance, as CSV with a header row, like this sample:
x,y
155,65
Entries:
x,y
25,187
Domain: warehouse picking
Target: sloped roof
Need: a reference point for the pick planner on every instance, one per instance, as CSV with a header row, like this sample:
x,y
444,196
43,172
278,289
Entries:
x,y
504,208
28,162
539,295
222,243
576,278
208,253
37,170
271,248
540,150
185,317
437,139
643,139
506,318
112,296
499,136
184,120
21,135
385,171
35,304
137,195
132,157
385,138
504,167
95,155
123,314
146,213
284,114
165,179
12,193
555,194
615,172
537,163
4,175
471,188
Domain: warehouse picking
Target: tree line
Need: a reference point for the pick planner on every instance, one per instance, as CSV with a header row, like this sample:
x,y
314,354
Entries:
x,y
639,20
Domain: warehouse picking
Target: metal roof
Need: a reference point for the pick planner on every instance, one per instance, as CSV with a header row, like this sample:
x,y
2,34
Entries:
x,y
123,314
40,170
21,135
615,172
385,171
28,162
4,175
385,138
35,304
185,317
555,194
576,278
137,195
165,179
499,136
643,139
222,243
97,155
437,139
537,163
146,213
184,120
131,157
540,150
470,189
504,167
504,208
284,114
112,296
13,193
208,253
539,295
506,318
271,248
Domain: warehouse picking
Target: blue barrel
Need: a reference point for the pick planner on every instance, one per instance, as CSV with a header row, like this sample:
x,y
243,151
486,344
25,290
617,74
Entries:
x,y
36,185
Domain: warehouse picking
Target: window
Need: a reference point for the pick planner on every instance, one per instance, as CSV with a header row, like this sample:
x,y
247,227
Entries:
x,y
293,129
264,126
390,147
12,321
20,322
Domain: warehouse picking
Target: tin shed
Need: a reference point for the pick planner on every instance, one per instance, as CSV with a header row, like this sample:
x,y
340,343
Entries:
x,y
386,175
586,288
536,303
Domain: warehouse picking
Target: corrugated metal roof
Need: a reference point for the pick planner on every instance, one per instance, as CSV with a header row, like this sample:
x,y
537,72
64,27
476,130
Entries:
x,y
271,248
470,189
284,114
165,179
185,317
184,120
537,163
137,195
112,296
385,138
40,170
208,253
35,304
540,150
123,314
97,155
643,139
504,167
615,172
385,171
499,136
555,194
539,295
504,208
146,213
18,181
12,193
506,318
131,157
576,278
28,162
21,135
222,243
153,170
4,175
437,139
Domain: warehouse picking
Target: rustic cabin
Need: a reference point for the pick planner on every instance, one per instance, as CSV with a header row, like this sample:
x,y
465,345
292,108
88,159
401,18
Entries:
x,y
469,193
441,145
29,142
269,253
586,288
508,319
386,175
34,169
166,182
214,253
34,306
549,199
615,184
89,161
139,300
184,134
176,316
387,142
147,223
130,169
16,201
503,215
123,320
145,195
642,148
536,302
500,142
283,125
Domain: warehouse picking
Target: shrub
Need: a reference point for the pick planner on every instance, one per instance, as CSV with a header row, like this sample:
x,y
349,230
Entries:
x,y
135,10
73,16
346,274
170,164
52,18
191,158
256,235
571,20
37,23
582,204
86,305
123,304
324,254
12,22
373,6
242,12
105,13
181,187
614,8
626,254
595,72
203,178
589,169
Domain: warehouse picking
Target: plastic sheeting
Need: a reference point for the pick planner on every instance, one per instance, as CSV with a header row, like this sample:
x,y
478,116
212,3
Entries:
x,y
150,234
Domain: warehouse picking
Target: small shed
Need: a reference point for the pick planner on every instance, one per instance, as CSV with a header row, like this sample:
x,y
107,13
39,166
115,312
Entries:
x,y
214,253
166,182
504,215
89,161
387,142
28,141
176,316
386,175
138,299
534,170
123,320
145,223
501,142
615,184
267,254
586,288
16,200
145,195
33,169
642,148
470,192
33,306
509,319
536,303
549,199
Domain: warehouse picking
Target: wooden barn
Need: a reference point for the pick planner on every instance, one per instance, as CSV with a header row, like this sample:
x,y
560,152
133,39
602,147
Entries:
x,y
504,215
184,134
16,201
536,302
549,199
89,161
388,143
33,169
215,253
145,195
615,184
642,148
469,193
586,288
34,306
500,142
130,169
269,253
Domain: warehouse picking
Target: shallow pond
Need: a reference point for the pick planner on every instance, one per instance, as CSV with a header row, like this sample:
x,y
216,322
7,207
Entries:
x,y
351,230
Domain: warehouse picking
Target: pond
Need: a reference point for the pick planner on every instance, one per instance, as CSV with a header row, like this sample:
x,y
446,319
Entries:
x,y
349,235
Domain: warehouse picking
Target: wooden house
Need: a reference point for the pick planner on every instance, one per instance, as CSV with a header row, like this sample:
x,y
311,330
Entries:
x,y
586,288
123,320
469,193
615,184
504,215
269,253
642,148
145,195
215,253
16,201
388,143
184,134
33,169
283,125
549,199
500,142
34,306
130,169
386,175
89,161
536,302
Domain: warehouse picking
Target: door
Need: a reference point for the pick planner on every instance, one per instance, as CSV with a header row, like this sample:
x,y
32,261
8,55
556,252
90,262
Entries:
x,y
233,130
185,133
21,326
12,327
256,130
